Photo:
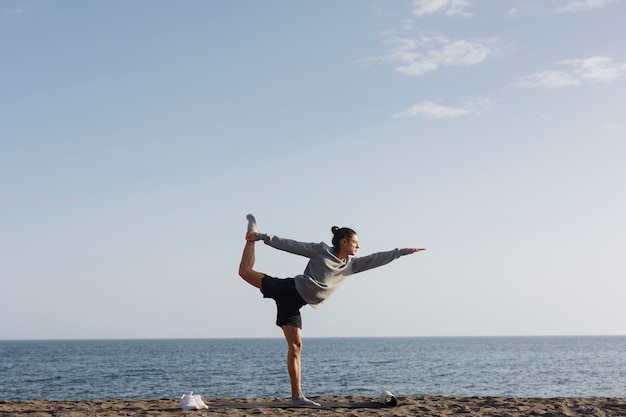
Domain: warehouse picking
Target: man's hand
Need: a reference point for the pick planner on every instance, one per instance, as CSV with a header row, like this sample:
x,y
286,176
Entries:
x,y
251,236
413,250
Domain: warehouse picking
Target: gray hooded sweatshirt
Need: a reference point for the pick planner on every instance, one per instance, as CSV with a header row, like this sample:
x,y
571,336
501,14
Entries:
x,y
325,272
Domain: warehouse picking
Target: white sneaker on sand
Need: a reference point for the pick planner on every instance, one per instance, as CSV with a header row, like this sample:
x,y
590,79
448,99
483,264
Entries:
x,y
191,402
188,402
199,403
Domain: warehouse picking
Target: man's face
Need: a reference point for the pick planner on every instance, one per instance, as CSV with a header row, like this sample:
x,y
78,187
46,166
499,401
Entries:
x,y
352,244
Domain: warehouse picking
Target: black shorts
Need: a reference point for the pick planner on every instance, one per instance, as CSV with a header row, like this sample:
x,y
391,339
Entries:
x,y
288,300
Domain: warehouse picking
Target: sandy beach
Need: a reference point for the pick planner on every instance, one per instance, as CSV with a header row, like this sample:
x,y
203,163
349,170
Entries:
x,y
332,406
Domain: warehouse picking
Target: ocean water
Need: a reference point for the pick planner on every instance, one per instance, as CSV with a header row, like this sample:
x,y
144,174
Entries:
x,y
466,366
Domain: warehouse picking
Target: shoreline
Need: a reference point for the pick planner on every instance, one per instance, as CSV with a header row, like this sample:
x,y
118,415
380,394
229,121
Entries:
x,y
351,406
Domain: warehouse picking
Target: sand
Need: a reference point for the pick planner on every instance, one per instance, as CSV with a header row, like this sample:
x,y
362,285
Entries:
x,y
334,406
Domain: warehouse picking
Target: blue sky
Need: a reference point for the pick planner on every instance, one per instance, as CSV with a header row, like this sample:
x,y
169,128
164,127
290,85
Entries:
x,y
136,136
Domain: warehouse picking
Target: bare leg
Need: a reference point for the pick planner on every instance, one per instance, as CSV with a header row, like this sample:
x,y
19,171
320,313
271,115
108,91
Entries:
x,y
293,335
246,270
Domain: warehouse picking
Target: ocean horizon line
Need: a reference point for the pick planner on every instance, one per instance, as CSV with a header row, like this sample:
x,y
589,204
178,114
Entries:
x,y
79,339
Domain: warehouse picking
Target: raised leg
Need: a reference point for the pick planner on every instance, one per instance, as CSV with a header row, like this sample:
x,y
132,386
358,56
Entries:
x,y
246,266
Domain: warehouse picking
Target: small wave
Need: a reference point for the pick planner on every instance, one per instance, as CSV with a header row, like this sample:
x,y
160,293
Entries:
x,y
383,362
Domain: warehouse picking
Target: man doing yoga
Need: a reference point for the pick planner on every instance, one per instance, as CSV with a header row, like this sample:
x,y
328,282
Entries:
x,y
326,270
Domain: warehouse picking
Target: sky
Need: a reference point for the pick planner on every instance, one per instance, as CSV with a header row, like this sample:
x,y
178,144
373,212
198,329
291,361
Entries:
x,y
136,136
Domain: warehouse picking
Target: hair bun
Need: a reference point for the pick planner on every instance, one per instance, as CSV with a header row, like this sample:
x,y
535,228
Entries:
x,y
334,229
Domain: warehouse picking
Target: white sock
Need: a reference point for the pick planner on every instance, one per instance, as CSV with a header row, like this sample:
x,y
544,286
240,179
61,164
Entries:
x,y
304,401
253,226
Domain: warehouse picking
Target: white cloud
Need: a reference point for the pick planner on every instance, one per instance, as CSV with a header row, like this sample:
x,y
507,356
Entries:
x,y
542,7
424,53
514,11
578,6
548,79
449,7
595,70
527,10
430,110
598,69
